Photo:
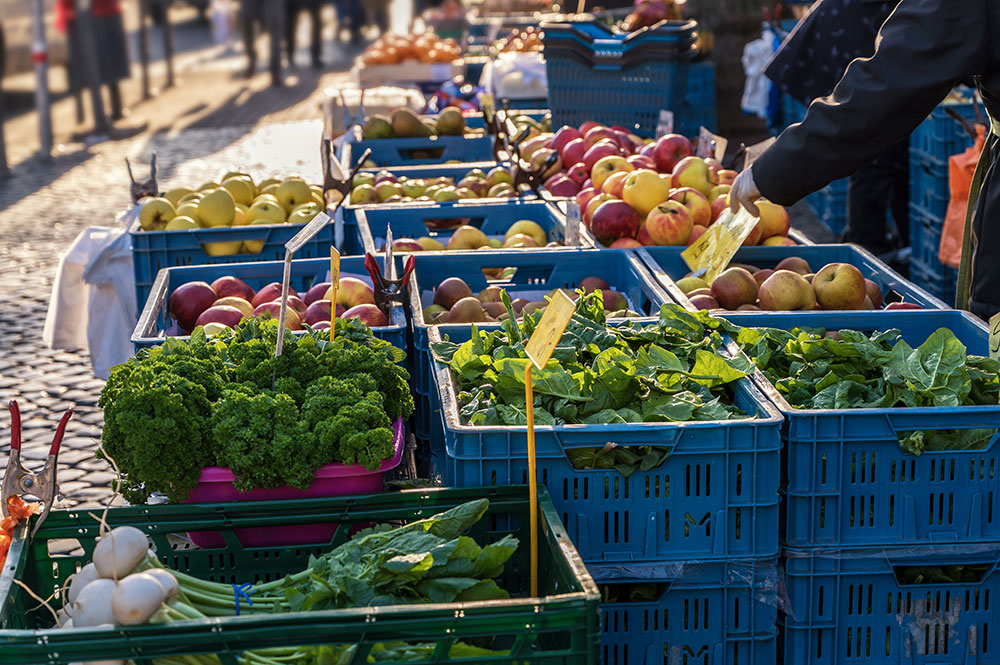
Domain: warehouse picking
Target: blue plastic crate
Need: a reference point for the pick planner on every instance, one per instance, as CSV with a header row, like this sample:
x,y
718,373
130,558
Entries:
x,y
155,319
939,137
929,185
668,266
849,484
710,613
493,219
925,236
846,607
715,497
418,151
346,235
632,97
536,274
935,278
153,251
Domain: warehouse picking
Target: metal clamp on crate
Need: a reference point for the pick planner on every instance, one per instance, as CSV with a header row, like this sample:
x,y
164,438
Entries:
x,y
18,481
144,188
337,185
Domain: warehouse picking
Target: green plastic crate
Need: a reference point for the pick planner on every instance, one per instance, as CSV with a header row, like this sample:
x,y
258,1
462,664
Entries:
x,y
561,627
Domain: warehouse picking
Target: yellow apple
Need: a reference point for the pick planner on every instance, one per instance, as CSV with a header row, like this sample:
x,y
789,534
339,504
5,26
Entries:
x,y
270,212
217,209
644,190
528,228
293,193
240,189
223,248
176,194
605,166
156,213
180,223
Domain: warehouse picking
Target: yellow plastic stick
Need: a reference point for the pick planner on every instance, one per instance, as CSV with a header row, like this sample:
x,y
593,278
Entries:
x,y
539,349
334,286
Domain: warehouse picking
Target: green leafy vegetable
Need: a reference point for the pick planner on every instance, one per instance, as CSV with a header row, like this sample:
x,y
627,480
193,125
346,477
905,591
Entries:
x,y
174,409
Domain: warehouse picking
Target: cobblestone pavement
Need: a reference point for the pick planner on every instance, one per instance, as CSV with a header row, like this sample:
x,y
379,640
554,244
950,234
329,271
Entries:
x,y
42,209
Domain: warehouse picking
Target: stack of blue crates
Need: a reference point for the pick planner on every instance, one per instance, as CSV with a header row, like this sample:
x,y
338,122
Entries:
x,y
931,145
889,556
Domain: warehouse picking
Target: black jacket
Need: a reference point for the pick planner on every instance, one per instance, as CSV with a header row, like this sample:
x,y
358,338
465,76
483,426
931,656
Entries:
x,y
924,49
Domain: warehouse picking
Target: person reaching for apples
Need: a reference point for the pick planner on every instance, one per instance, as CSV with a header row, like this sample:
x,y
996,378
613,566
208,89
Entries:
x,y
924,49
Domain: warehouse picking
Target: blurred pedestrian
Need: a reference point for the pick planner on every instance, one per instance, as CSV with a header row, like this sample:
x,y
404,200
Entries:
x,y
269,15
109,36
293,9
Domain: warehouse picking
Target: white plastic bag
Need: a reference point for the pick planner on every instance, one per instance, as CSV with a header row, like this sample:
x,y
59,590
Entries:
x,y
515,75
757,91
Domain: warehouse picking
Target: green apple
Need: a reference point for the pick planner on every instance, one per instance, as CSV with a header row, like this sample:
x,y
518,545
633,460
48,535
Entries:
x,y
414,188
179,223
363,194
498,175
189,209
387,189
293,193
430,244
447,194
530,229
500,190
241,189
363,179
155,213
304,213
217,209
266,212
176,194
476,173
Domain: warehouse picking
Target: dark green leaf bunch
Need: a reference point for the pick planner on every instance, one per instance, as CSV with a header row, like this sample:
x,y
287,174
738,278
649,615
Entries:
x,y
815,369
227,401
673,370
426,561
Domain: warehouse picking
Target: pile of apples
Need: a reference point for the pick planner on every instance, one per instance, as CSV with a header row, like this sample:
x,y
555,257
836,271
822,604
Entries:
x,y
648,192
523,234
454,302
228,300
791,285
390,49
386,187
236,200
520,41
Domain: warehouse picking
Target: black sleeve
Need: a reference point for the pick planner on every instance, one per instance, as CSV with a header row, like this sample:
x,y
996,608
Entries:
x,y
924,48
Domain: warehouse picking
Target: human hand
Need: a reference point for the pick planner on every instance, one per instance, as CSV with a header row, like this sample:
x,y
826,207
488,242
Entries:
x,y
744,192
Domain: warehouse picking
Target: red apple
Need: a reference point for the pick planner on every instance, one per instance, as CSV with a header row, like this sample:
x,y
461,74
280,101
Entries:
x,y
874,292
599,152
578,173
623,140
224,314
903,305
239,303
625,243
754,238
762,274
670,223
719,205
188,301
643,236
613,220
774,220
694,172
648,150
670,149
777,241
606,166
734,287
599,134
316,292
583,197
588,125
641,162
271,292
296,303
560,185
726,176
573,152
368,313
840,286
696,232
564,135
271,310
615,183
588,182
318,311
696,203
593,205
231,286
352,291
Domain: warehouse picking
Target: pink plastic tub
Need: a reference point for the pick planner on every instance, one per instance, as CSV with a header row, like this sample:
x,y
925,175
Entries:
x,y
215,485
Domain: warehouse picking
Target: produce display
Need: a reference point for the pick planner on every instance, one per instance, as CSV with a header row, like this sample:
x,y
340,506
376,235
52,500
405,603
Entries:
x,y
228,301
227,401
846,369
386,187
403,123
454,302
424,561
657,192
520,40
670,371
790,285
236,200
390,49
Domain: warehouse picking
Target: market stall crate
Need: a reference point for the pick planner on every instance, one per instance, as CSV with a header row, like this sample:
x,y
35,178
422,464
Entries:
x,y
926,269
418,151
848,481
714,497
723,612
155,319
153,251
560,626
890,607
439,222
529,275
940,136
346,235
668,266
409,72
619,79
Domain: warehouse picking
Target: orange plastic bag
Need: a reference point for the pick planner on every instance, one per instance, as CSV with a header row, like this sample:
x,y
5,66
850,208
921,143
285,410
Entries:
x,y
961,169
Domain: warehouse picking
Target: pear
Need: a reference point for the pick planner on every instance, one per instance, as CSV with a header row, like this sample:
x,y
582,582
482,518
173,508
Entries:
x,y
528,228
430,244
467,237
217,209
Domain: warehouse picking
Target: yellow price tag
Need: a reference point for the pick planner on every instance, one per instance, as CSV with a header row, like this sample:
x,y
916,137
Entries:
x,y
539,349
550,329
334,286
712,252
995,337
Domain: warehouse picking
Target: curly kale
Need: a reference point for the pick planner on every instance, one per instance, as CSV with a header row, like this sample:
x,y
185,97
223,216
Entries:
x,y
348,422
391,379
